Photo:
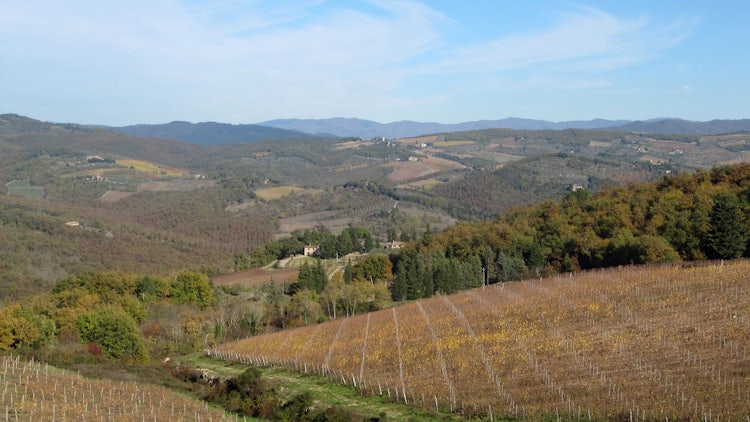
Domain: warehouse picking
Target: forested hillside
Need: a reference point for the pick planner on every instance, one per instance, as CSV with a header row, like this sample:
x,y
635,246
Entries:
x,y
689,216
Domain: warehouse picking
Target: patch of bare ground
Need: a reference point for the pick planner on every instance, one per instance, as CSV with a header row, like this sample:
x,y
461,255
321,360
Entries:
x,y
257,277
409,170
352,144
112,196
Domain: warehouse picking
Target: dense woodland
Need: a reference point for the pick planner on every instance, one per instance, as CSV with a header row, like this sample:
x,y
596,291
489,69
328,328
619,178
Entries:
x,y
683,217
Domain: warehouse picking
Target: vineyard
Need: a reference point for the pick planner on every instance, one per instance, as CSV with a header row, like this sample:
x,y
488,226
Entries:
x,y
640,343
37,392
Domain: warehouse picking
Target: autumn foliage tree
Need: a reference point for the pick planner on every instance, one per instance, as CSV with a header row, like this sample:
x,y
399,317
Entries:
x,y
687,216
727,235
115,332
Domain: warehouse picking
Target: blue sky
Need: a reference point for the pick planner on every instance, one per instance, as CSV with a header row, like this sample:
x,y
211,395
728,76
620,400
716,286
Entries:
x,y
248,61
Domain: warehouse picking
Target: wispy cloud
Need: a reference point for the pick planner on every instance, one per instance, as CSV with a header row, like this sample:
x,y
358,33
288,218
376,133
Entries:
x,y
311,58
586,39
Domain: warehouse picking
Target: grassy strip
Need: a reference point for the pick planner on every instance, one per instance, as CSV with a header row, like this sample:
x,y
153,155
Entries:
x,y
324,392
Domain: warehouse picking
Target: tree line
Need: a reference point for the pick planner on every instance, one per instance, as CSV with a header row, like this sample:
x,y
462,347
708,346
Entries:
x,y
686,216
102,310
351,239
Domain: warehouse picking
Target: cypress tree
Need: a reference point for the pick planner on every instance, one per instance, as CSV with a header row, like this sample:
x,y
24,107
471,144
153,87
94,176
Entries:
x,y
727,236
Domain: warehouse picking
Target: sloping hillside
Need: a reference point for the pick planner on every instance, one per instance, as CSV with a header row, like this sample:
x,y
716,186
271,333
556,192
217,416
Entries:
x,y
687,127
44,393
651,342
33,136
209,133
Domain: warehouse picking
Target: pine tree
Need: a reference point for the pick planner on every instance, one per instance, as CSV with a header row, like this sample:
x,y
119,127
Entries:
x,y
409,282
348,272
727,236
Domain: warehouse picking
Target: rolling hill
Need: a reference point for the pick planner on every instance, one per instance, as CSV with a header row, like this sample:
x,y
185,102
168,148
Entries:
x,y
43,392
19,133
640,342
150,204
368,129
686,127
209,133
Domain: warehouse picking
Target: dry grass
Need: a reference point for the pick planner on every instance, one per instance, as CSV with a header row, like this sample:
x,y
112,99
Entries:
x,y
423,184
653,342
408,170
446,144
278,192
352,144
151,168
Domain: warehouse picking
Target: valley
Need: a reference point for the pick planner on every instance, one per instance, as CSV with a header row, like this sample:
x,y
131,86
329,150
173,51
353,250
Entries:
x,y
488,246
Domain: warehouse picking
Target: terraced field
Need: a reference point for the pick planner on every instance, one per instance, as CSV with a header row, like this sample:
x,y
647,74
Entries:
x,y
642,343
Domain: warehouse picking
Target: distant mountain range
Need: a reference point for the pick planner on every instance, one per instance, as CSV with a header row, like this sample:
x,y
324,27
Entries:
x,y
404,129
369,129
209,133
212,133
687,127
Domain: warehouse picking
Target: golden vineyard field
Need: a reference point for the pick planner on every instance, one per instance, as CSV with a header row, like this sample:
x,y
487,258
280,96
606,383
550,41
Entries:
x,y
37,392
642,343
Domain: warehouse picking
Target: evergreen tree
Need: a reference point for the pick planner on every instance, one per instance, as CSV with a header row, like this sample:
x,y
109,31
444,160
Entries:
x,y
304,278
354,236
535,258
488,263
409,282
319,277
440,276
727,236
312,277
368,242
454,276
510,267
348,272
471,272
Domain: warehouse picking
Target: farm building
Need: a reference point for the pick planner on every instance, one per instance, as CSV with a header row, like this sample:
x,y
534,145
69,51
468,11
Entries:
x,y
310,250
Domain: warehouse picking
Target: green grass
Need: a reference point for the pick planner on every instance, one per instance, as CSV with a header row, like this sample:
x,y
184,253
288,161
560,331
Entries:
x,y
324,392
25,189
